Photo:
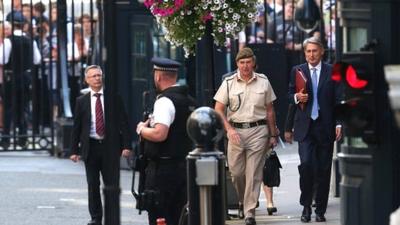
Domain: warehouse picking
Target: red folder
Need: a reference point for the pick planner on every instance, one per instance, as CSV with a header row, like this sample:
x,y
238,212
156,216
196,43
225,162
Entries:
x,y
301,82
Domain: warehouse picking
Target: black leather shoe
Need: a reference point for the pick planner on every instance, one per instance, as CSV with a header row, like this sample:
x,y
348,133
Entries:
x,y
94,222
306,214
250,221
240,211
320,218
271,210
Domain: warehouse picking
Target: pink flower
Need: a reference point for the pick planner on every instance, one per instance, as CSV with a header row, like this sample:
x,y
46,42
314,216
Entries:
x,y
179,3
206,17
163,10
170,11
148,3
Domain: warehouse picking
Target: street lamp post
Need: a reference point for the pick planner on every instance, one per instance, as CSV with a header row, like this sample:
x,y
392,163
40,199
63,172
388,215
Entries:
x,y
205,169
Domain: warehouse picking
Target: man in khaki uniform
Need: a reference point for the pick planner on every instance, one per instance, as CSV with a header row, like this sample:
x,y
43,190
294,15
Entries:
x,y
244,101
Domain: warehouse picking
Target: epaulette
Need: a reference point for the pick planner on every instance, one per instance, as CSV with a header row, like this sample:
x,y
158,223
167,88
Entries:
x,y
228,77
260,75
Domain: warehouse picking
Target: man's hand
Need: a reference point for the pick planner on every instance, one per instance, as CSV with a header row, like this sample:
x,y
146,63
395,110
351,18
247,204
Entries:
x,y
233,136
301,96
75,158
289,137
141,125
273,142
126,152
338,133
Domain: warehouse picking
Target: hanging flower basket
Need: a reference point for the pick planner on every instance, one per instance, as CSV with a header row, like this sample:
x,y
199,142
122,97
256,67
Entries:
x,y
185,20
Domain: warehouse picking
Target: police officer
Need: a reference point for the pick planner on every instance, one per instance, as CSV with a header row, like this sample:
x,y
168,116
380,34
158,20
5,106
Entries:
x,y
247,98
166,144
23,54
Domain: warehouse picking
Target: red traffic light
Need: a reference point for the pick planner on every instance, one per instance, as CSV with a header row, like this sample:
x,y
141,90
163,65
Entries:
x,y
337,72
353,80
347,72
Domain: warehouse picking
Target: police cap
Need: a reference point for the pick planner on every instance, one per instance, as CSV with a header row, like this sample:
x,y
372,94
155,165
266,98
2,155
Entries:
x,y
244,53
165,64
16,17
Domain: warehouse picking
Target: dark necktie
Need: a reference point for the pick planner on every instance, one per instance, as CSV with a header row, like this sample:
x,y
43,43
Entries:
x,y
99,116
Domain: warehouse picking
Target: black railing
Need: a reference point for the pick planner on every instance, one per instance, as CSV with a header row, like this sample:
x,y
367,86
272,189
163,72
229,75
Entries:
x,y
40,79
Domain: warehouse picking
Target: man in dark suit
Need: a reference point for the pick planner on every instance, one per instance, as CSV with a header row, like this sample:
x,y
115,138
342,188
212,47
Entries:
x,y
88,139
314,128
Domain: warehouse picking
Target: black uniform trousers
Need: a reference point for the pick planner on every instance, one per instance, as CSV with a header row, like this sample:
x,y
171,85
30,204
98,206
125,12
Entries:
x,y
168,178
16,98
95,164
315,167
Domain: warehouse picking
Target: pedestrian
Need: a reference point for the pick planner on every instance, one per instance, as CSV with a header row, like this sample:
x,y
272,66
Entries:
x,y
166,144
88,139
247,98
283,30
314,128
23,53
289,138
5,43
16,7
269,195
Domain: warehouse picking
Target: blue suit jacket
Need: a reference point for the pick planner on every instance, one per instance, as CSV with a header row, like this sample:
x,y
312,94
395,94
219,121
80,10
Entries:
x,y
328,97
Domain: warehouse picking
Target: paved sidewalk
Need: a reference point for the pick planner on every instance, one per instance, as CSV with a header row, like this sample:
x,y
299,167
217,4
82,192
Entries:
x,y
286,197
37,189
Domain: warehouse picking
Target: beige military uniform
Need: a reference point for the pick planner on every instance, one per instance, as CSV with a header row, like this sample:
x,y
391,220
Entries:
x,y
246,102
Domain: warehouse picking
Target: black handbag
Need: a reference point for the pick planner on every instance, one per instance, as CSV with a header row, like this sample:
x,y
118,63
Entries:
x,y
271,173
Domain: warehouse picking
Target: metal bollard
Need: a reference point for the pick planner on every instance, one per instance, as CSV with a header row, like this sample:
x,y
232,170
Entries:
x,y
205,169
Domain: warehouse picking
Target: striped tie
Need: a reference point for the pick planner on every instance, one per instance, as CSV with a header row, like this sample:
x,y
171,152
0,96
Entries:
x,y
99,116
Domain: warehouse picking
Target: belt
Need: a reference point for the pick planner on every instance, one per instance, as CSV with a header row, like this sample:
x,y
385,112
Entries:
x,y
249,124
96,141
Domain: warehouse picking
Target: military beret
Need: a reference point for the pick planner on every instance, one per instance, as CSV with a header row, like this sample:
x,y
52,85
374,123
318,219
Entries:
x,y
244,53
16,17
165,64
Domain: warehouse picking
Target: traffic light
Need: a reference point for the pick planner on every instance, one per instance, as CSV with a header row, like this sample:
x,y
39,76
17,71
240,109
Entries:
x,y
357,108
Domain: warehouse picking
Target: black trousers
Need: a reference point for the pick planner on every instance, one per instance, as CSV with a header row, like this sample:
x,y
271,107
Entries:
x,y
15,98
169,180
97,164
315,153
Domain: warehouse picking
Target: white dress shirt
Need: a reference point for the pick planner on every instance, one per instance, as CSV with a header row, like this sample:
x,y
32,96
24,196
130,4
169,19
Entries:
x,y
318,71
163,113
5,50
